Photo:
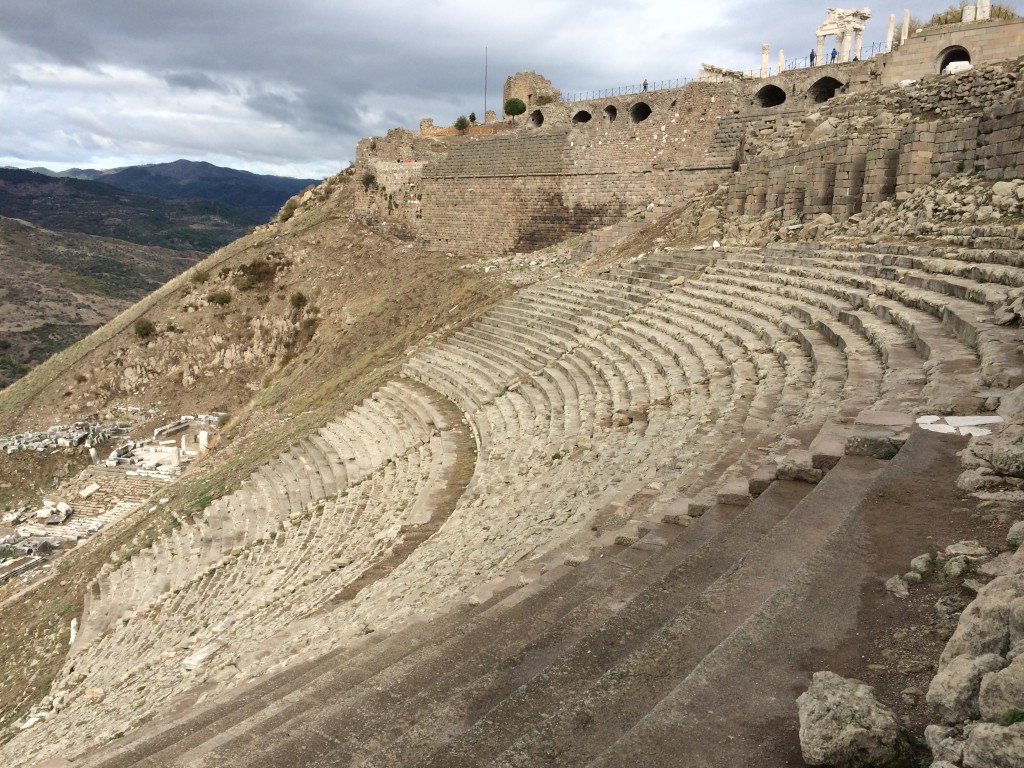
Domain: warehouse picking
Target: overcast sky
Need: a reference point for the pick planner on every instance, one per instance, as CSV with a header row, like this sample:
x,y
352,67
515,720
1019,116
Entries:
x,y
290,87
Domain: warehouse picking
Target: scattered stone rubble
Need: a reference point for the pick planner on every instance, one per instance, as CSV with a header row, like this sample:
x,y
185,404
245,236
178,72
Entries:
x,y
79,433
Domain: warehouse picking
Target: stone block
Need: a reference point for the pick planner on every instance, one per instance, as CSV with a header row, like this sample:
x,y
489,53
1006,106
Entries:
x,y
762,479
826,453
878,443
734,491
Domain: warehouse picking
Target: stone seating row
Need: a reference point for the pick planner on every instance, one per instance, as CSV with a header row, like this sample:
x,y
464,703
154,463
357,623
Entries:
x,y
243,600
952,334
393,421
619,636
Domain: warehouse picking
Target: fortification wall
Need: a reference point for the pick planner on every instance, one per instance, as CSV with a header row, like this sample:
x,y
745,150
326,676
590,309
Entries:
x,y
859,152
574,166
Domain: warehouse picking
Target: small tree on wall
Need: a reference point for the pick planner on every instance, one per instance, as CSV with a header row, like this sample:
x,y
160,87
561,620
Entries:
x,y
514,107
472,117
461,123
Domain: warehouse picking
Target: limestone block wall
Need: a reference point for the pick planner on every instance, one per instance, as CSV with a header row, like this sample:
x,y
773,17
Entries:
x,y
505,193
986,42
859,152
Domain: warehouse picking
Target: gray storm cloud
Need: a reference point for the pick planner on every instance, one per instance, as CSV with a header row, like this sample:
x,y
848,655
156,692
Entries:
x,y
284,88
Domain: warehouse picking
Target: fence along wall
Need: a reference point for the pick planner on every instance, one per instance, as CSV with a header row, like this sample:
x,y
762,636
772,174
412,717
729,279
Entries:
x,y
858,152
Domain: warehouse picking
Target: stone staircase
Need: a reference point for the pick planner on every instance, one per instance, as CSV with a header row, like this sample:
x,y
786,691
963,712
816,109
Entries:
x,y
619,556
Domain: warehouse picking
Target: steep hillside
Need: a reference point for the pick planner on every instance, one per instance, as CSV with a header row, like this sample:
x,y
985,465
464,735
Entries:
x,y
76,205
59,287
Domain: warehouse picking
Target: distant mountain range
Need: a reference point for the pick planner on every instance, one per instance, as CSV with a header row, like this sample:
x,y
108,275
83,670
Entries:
x,y
79,246
257,195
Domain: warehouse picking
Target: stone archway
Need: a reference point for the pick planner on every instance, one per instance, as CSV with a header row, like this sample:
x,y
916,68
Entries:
x,y
770,96
824,89
537,118
582,117
610,113
953,54
640,112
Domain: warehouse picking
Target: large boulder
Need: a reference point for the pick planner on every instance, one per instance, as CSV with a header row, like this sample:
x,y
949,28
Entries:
x,y
984,625
1008,451
843,725
954,690
1002,691
994,746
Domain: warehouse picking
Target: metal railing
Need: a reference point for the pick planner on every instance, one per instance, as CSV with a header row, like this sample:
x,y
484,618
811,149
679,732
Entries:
x,y
869,51
628,90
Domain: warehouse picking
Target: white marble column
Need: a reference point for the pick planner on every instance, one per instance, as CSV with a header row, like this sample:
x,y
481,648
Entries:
x,y
820,59
844,50
764,60
782,61
905,31
891,33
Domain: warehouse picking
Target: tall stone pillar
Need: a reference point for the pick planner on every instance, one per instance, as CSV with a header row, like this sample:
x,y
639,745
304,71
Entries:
x,y
764,60
844,50
892,31
905,31
782,61
821,51
984,10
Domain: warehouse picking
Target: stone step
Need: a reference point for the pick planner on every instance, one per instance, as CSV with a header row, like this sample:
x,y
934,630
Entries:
x,y
639,675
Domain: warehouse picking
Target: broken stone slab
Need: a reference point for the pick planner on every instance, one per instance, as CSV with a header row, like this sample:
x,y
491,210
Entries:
x,y
970,549
798,465
89,490
197,658
895,419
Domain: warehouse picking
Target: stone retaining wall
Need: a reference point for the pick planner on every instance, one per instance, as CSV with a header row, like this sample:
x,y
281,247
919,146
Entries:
x,y
859,152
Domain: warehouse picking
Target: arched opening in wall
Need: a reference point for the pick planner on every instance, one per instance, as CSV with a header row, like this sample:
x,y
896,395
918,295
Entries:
x,y
954,59
582,116
824,89
770,96
639,112
610,113
537,118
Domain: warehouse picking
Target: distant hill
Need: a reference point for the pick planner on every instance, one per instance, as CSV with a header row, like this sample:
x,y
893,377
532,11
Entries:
x,y
94,208
259,196
58,287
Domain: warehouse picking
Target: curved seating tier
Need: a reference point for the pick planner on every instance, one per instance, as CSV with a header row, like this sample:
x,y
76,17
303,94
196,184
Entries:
x,y
598,405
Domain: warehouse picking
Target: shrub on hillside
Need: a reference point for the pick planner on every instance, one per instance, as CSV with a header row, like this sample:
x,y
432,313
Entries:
x,y
256,273
289,210
219,297
369,180
461,123
144,328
